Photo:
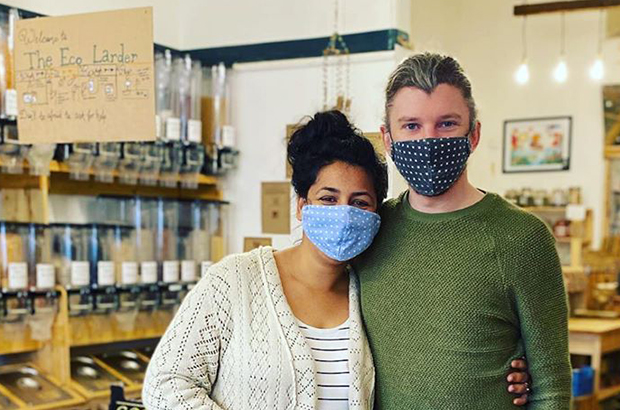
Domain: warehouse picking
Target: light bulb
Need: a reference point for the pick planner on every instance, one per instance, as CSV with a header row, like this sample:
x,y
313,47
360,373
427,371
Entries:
x,y
597,70
560,74
522,75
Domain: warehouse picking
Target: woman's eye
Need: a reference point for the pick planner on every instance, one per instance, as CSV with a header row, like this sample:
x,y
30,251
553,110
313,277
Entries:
x,y
329,199
361,204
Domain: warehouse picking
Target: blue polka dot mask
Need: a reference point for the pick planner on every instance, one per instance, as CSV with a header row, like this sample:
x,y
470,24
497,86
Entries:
x,y
340,231
431,165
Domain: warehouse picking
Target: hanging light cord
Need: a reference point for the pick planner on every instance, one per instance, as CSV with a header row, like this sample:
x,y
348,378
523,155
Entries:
x,y
524,38
563,35
600,32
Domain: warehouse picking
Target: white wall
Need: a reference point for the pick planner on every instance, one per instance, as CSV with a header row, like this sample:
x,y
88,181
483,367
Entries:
x,y
166,13
486,38
268,96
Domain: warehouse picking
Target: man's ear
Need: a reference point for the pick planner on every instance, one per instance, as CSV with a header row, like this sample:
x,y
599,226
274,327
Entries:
x,y
475,136
387,140
300,204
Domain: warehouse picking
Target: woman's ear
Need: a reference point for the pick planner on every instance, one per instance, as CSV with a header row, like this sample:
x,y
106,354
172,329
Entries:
x,y
300,204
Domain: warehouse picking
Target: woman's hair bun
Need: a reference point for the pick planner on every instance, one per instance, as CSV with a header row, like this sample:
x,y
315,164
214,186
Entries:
x,y
328,137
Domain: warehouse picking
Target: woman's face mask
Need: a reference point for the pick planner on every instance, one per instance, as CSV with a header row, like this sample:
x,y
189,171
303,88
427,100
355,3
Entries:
x,y
341,232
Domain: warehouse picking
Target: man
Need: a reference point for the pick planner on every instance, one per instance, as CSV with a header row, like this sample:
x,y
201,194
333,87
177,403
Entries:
x,y
458,282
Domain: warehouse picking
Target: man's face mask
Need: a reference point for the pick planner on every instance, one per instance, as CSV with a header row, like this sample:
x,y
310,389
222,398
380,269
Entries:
x,y
431,166
341,232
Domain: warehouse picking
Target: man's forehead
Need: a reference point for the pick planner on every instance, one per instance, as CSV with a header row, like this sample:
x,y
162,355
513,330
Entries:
x,y
443,100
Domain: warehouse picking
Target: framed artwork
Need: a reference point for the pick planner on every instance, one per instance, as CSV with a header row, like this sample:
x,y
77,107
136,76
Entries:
x,y
537,144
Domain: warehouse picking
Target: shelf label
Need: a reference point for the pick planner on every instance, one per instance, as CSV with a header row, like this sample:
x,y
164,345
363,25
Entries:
x,y
105,273
18,275
129,273
10,101
194,131
575,212
80,273
45,276
188,271
173,129
148,271
171,271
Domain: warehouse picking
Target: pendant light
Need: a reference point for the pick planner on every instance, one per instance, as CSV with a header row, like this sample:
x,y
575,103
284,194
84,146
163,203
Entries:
x,y
597,69
560,73
522,75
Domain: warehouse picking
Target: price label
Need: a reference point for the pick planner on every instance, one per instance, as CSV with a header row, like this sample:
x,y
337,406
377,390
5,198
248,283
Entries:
x,y
173,129
129,273
105,273
18,275
80,273
188,271
171,271
10,101
45,276
149,272
194,131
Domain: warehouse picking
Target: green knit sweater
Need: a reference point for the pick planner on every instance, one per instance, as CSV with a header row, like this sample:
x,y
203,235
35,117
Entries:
x,y
450,299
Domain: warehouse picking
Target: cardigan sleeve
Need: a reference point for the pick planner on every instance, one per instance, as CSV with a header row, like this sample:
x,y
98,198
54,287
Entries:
x,y
535,280
184,366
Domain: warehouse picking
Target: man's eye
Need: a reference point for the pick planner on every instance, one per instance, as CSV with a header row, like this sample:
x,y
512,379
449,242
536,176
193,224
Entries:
x,y
448,124
412,126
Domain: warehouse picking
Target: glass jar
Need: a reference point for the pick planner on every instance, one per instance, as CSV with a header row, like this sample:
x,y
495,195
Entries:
x,y
168,240
70,254
185,246
219,230
101,264
42,272
147,223
14,256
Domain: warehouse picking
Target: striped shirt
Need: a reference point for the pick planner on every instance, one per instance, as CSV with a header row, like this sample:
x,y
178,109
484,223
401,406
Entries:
x,y
330,350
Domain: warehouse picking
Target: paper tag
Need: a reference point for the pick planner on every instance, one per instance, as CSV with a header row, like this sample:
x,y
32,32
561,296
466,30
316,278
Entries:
x,y
157,126
188,271
228,136
173,129
80,273
105,273
129,273
10,103
148,271
18,275
171,271
45,276
575,212
204,267
194,131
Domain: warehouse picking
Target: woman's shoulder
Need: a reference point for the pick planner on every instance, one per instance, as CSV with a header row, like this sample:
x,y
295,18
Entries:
x,y
238,267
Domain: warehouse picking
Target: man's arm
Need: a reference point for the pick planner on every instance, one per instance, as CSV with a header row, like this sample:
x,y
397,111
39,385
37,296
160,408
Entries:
x,y
537,286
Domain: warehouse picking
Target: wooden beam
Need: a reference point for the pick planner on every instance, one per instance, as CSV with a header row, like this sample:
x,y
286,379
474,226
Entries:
x,y
562,6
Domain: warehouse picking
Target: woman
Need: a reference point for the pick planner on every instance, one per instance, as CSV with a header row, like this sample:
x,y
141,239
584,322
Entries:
x,y
282,329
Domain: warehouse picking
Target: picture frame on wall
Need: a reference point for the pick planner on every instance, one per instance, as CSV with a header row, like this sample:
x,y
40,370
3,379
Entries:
x,y
537,144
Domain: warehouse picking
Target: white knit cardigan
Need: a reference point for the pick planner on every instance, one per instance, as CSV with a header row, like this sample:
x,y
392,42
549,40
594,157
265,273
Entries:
x,y
234,344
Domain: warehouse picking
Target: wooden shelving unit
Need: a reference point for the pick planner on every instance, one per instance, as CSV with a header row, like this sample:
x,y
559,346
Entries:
x,y
92,331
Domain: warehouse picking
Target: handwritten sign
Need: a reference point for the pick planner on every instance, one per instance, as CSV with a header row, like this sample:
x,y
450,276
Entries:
x,y
86,78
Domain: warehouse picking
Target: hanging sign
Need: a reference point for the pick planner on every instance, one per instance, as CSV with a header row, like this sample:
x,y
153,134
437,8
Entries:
x,y
86,78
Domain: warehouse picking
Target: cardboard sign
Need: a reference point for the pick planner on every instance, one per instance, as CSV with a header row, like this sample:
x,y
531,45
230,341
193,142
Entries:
x,y
276,207
87,77
377,141
253,243
290,129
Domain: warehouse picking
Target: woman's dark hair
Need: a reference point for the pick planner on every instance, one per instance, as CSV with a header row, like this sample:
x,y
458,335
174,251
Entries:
x,y
329,137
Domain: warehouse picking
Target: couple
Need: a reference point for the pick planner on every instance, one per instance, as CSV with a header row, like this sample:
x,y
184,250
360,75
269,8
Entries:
x,y
456,285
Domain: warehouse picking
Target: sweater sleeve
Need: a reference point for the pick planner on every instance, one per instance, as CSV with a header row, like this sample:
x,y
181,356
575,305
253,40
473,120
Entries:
x,y
535,282
184,366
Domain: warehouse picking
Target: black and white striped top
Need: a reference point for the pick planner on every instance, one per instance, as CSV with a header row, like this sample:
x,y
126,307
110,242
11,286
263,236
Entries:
x,y
330,349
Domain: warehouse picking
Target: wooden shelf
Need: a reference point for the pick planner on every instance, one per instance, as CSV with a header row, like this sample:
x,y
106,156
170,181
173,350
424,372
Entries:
x,y
545,209
612,152
60,182
608,392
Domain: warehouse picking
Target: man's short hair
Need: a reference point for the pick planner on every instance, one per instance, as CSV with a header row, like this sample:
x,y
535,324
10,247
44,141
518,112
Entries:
x,y
426,71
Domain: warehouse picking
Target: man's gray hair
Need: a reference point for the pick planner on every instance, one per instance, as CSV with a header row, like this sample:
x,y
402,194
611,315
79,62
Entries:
x,y
426,71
